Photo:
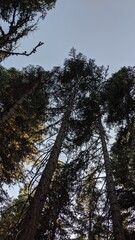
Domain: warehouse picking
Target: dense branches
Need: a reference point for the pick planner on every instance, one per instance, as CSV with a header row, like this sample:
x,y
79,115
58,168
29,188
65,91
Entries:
x,y
22,118
72,105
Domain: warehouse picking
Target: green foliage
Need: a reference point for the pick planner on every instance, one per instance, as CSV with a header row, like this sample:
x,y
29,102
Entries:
x,y
51,222
123,162
11,216
119,95
88,79
22,131
120,103
75,202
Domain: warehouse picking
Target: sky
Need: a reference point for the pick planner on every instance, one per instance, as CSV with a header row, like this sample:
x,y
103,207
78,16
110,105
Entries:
x,y
103,30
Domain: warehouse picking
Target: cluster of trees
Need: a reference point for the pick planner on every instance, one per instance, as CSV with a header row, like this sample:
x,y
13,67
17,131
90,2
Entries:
x,y
89,194
55,142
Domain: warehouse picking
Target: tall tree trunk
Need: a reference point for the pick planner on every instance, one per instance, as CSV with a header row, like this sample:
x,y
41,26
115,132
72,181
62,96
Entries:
x,y
90,232
11,111
114,207
32,217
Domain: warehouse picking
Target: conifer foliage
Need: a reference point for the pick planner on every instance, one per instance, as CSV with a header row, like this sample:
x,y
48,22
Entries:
x,y
23,103
69,111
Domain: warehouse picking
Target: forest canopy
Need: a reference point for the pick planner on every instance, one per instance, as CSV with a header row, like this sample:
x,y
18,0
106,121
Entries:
x,y
56,141
68,112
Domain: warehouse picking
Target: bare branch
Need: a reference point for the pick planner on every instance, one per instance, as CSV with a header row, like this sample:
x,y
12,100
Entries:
x,y
2,31
4,52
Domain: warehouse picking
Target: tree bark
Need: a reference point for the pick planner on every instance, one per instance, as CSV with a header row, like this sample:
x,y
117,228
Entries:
x,y
32,217
114,207
90,232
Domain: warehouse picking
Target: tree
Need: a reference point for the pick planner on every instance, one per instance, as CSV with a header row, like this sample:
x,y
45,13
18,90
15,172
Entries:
x,y
77,100
119,96
121,112
120,105
22,125
91,115
89,222
57,200
19,19
114,207
51,223
31,220
11,215
70,82
124,172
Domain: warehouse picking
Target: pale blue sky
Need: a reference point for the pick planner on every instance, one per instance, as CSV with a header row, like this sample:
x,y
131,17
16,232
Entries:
x,y
103,30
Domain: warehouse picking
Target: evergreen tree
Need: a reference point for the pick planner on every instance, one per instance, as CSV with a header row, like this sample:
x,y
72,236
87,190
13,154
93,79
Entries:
x,y
22,122
121,112
79,108
91,115
11,215
69,82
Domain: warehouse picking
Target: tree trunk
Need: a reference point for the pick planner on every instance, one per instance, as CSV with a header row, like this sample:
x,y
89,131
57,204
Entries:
x,y
114,207
32,217
90,232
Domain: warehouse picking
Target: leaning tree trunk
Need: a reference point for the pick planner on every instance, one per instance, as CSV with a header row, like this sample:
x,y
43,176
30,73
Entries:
x,y
32,217
114,207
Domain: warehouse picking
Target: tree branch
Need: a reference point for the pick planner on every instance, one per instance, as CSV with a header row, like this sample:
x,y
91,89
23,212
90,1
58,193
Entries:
x,y
4,52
